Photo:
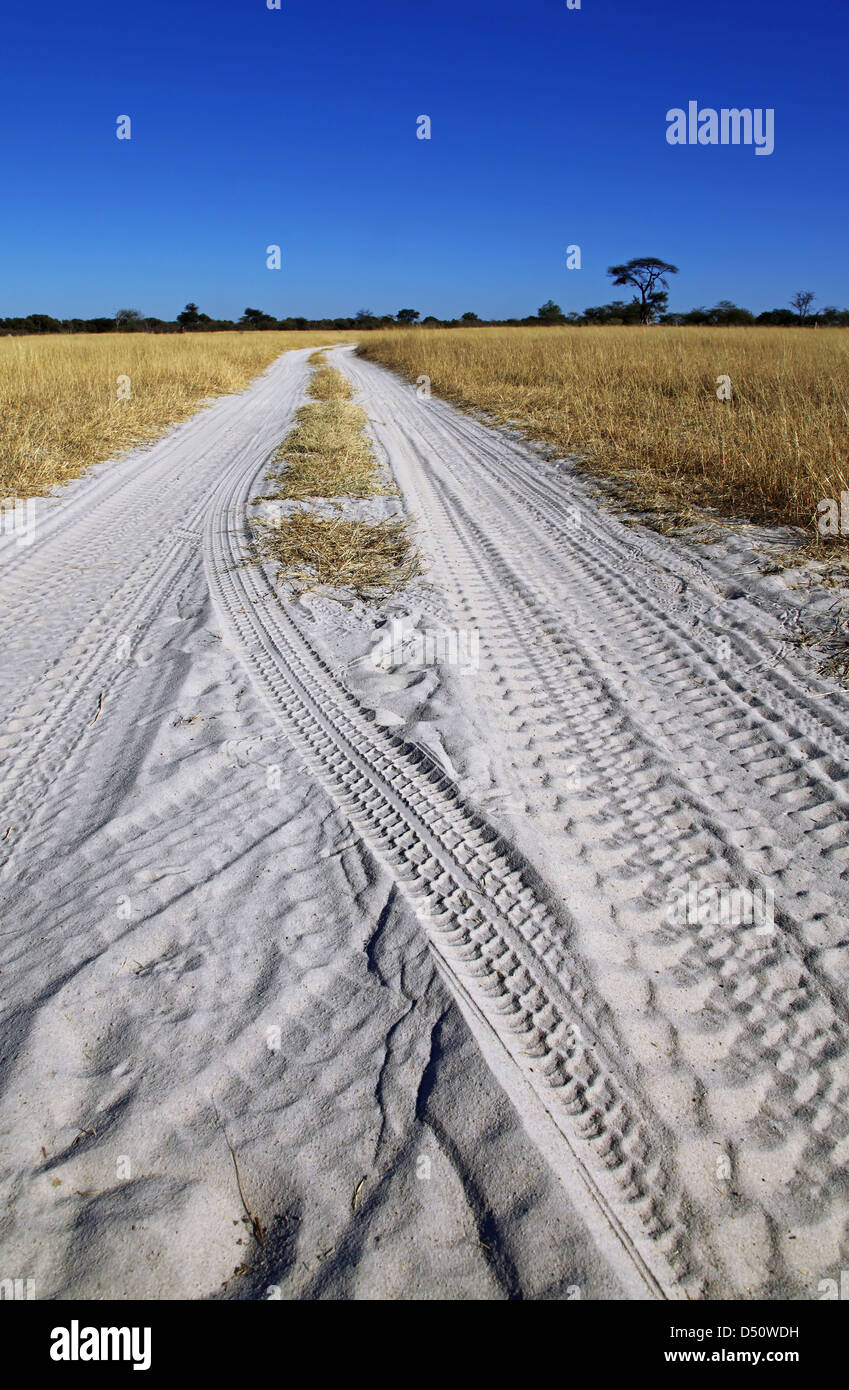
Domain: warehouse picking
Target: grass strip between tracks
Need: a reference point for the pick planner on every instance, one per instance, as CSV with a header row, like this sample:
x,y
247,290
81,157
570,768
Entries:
x,y
327,455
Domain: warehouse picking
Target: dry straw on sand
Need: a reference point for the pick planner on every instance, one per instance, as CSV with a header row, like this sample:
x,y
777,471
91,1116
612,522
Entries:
x,y
328,456
371,559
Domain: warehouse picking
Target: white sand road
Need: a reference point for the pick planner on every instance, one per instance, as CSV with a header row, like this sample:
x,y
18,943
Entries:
x,y
388,957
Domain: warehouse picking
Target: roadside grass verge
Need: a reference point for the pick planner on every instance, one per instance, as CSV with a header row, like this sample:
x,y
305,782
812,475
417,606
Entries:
x,y
327,456
60,411
639,407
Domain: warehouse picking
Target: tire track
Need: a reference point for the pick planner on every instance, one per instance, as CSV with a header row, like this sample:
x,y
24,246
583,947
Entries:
x,y
48,729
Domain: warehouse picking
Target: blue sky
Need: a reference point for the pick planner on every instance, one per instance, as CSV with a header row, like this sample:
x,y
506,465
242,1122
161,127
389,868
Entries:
x,y
298,127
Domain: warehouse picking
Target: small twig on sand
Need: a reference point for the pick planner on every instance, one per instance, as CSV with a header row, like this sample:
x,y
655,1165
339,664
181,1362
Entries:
x,y
99,708
256,1224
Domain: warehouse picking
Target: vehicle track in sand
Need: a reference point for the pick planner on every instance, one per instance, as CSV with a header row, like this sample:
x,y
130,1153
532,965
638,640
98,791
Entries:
x,y
139,520
500,940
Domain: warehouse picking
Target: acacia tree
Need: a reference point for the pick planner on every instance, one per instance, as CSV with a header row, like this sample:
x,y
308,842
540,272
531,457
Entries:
x,y
549,312
801,302
407,315
645,273
257,318
128,318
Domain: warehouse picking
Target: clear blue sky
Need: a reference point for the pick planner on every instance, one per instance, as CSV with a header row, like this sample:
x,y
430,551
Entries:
x,y
298,127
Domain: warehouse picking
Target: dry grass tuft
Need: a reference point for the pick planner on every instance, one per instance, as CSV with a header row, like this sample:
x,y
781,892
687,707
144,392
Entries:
x,y
370,559
639,406
327,454
59,407
329,385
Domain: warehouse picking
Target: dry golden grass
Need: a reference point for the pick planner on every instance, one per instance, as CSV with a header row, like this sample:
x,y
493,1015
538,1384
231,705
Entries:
x,y
59,409
639,406
327,454
326,384
370,559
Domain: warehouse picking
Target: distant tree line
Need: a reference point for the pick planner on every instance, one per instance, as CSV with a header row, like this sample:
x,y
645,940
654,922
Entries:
x,y
649,305
189,320
724,314
648,275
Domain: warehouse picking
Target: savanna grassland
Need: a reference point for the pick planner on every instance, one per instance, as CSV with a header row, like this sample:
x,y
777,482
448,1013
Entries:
x,y
60,409
640,406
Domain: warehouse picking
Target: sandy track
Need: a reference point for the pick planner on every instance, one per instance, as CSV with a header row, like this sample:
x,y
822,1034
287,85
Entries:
x,y
669,1114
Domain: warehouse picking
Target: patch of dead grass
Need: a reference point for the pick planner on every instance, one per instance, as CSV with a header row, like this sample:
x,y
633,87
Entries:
x,y
327,454
370,559
326,384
